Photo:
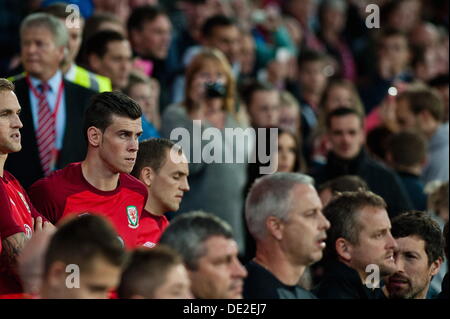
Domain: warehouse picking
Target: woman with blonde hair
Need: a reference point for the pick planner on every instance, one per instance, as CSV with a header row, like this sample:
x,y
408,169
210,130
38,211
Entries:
x,y
216,186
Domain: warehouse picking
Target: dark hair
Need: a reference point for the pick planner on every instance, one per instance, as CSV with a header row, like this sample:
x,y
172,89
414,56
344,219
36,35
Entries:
x,y
104,105
251,86
416,223
187,234
216,21
407,148
81,240
344,183
342,212
146,271
391,32
342,111
143,14
57,9
98,43
308,56
153,153
423,98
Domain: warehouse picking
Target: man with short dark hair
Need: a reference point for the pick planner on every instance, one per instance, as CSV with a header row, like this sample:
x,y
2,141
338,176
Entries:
x,y
149,29
221,32
345,132
101,183
418,257
359,240
210,255
163,168
108,53
421,110
406,154
263,104
157,273
88,247
312,80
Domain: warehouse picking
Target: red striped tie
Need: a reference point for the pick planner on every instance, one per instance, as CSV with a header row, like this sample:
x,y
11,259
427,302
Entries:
x,y
46,133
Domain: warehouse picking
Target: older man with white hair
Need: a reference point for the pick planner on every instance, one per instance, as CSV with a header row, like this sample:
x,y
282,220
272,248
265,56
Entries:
x,y
284,215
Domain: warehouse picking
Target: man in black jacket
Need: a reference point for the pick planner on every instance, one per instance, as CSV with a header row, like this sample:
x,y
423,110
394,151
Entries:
x,y
359,249
345,129
52,108
284,215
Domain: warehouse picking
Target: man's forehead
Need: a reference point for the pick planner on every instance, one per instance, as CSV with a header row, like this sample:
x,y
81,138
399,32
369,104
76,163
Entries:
x,y
123,122
411,243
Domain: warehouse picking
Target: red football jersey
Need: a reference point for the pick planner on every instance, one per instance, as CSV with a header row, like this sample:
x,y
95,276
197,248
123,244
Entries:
x,y
152,227
16,216
66,192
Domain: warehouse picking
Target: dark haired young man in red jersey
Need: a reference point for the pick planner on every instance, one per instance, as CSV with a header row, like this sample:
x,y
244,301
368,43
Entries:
x,y
18,218
163,168
101,184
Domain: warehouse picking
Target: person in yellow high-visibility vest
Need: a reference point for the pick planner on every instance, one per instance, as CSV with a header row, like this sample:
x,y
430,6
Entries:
x,y
71,71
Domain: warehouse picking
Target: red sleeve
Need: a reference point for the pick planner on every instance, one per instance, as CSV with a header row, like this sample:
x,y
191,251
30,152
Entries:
x,y
8,225
45,200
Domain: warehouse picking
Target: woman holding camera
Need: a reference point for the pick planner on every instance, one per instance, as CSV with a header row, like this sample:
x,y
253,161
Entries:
x,y
216,185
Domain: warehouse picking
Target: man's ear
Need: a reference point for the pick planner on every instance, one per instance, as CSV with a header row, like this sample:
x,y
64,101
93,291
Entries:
x,y
94,136
343,249
275,227
435,266
147,176
94,62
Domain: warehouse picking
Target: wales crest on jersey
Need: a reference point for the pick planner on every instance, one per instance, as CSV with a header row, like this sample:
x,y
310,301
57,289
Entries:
x,y
133,217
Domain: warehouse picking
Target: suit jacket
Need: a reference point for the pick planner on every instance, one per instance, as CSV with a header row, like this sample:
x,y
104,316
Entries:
x,y
25,165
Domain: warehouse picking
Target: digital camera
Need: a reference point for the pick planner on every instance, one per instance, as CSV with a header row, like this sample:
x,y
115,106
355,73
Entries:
x,y
215,90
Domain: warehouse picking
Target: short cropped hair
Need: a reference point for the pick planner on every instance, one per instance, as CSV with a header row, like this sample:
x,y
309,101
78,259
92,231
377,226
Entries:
x,y
6,85
271,195
342,212
104,105
82,239
153,153
51,23
343,111
147,270
310,56
187,234
407,148
423,98
249,88
420,224
143,14
213,22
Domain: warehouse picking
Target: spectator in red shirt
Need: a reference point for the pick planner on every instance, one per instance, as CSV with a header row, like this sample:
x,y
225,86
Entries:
x,y
163,168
